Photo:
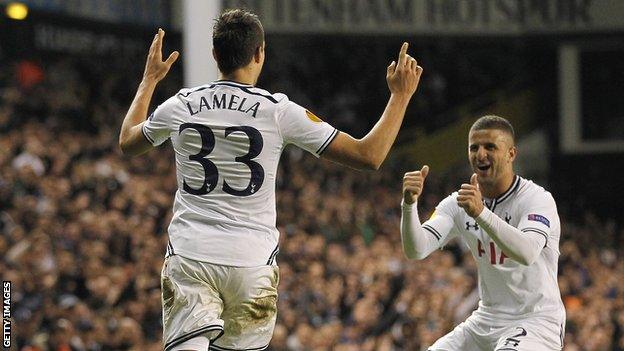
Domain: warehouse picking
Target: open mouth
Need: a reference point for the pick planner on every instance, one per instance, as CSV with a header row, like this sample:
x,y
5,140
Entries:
x,y
484,167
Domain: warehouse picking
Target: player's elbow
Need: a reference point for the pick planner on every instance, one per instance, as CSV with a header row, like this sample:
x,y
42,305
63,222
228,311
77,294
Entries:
x,y
415,255
355,153
362,163
123,143
526,259
125,147
370,160
366,157
128,149
370,165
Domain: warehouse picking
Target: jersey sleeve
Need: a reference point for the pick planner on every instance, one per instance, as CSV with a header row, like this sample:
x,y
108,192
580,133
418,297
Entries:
x,y
441,224
301,127
157,127
539,215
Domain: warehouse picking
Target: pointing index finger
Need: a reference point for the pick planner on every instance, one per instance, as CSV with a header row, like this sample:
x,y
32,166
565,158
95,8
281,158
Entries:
x,y
159,40
403,54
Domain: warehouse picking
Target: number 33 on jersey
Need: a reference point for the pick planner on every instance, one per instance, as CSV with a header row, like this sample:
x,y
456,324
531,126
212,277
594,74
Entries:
x,y
228,138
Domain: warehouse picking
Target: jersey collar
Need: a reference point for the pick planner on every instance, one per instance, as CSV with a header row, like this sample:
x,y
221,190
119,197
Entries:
x,y
231,82
491,203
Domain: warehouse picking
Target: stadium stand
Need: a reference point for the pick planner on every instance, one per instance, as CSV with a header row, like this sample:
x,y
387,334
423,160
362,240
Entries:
x,y
83,234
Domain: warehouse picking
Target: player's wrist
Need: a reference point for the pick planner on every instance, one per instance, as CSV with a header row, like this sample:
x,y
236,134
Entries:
x,y
480,209
149,81
406,205
403,97
483,215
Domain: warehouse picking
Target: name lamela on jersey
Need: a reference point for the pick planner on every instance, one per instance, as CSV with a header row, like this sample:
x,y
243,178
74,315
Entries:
x,y
223,102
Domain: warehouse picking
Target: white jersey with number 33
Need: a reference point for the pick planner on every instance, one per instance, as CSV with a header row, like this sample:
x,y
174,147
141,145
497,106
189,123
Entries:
x,y
228,138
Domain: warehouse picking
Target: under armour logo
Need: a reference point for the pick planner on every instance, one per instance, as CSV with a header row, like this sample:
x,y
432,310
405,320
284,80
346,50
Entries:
x,y
512,341
474,226
507,217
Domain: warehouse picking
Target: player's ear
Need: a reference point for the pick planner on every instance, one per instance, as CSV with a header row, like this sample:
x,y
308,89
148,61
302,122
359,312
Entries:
x,y
259,54
512,153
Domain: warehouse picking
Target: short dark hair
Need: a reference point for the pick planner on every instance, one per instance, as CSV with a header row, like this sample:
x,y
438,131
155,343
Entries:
x,y
494,122
235,37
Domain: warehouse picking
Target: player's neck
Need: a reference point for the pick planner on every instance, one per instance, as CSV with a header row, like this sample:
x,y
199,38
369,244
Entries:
x,y
492,191
241,75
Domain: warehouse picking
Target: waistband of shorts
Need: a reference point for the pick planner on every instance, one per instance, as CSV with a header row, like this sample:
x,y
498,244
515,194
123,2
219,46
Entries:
x,y
556,315
217,263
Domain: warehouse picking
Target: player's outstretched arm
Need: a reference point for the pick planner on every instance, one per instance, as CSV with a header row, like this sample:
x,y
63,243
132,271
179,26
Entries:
x,y
131,139
370,151
417,244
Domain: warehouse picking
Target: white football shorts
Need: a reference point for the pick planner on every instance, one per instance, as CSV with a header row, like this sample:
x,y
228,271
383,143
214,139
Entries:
x,y
234,307
528,334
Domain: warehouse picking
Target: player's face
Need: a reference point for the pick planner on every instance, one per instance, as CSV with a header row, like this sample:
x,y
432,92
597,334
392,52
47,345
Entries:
x,y
491,153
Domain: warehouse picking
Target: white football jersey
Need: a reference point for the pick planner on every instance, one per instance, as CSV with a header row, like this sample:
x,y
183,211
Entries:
x,y
507,288
228,138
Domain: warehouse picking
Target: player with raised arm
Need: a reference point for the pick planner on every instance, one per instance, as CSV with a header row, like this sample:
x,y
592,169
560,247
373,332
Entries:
x,y
219,280
511,226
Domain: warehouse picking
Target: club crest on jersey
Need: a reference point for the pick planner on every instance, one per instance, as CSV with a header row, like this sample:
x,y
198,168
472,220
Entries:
x,y
539,218
312,117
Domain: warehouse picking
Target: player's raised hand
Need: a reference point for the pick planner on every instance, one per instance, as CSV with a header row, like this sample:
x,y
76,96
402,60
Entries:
x,y
469,197
403,75
413,183
155,68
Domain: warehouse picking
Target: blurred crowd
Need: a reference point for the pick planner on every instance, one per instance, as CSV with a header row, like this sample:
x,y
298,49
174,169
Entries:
x,y
83,236
345,81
